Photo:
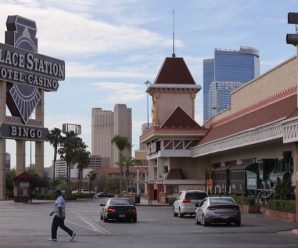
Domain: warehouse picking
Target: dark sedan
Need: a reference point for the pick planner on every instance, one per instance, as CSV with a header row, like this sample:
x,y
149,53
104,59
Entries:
x,y
104,195
120,209
218,209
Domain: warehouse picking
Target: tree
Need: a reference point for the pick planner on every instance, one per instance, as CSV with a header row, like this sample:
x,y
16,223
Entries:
x,y
55,138
121,143
69,148
9,183
82,162
129,162
92,176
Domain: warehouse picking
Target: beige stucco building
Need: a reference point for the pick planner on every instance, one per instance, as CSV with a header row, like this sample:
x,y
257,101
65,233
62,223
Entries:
x,y
105,125
259,128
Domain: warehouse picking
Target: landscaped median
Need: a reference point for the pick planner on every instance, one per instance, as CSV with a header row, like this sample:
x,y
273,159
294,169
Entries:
x,y
281,209
247,205
275,208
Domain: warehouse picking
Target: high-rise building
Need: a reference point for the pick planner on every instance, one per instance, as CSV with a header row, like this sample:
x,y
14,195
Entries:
x,y
106,125
228,66
219,95
122,127
102,133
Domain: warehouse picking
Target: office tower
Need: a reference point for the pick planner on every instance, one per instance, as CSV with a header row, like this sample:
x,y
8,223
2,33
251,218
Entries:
x,y
122,127
102,133
229,66
219,95
106,125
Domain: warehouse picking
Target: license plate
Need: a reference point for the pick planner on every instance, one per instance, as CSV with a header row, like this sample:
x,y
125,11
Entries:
x,y
225,217
121,215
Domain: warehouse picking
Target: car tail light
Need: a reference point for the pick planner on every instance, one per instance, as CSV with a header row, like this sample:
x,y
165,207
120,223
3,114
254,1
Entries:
x,y
236,207
132,210
111,210
186,200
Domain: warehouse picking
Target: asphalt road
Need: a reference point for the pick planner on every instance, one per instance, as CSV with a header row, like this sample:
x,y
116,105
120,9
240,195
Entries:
x,y
29,226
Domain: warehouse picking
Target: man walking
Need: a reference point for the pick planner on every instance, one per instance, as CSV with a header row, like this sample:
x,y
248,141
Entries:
x,y
59,217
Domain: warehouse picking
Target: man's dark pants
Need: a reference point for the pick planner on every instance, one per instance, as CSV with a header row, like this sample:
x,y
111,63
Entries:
x,y
59,222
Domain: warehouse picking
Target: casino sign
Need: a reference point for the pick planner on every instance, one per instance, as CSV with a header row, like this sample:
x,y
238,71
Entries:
x,y
27,75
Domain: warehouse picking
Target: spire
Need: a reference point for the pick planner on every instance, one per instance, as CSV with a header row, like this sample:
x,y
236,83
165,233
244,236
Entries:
x,y
173,54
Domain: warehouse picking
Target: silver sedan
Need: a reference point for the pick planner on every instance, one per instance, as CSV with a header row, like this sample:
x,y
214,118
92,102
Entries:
x,y
218,209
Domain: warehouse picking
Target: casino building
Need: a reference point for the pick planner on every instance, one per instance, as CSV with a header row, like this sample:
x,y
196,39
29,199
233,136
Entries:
x,y
260,127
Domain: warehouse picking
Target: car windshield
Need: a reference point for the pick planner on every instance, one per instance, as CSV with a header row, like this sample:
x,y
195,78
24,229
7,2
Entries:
x,y
221,201
120,202
196,195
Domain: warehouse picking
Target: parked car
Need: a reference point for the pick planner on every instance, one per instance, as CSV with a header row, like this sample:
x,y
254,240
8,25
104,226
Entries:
x,y
119,209
186,200
104,194
218,209
83,191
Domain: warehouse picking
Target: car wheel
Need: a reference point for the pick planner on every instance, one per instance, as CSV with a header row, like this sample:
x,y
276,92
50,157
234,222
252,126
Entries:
x,y
105,219
204,222
134,220
180,214
174,213
238,223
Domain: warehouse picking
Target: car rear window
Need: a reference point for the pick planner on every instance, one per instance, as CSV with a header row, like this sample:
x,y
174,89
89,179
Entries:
x,y
120,202
196,195
222,201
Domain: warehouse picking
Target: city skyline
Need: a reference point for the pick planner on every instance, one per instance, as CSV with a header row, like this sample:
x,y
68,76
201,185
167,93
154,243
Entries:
x,y
111,48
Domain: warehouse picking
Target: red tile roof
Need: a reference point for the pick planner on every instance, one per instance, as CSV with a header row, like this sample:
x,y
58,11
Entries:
x,y
174,71
180,120
116,170
24,176
284,108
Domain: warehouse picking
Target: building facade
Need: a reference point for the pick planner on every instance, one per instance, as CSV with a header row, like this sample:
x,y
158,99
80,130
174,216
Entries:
x,y
228,65
105,125
173,132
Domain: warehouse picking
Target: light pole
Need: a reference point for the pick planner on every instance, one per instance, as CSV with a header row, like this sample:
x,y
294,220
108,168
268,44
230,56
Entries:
x,y
293,38
147,83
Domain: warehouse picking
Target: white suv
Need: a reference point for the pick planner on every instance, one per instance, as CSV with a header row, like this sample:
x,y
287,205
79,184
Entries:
x,y
186,200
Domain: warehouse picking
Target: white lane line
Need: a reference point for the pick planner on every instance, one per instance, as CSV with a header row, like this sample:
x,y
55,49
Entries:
x,y
83,226
94,225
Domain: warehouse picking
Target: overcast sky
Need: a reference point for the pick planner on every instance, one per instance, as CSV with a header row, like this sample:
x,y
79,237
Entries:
x,y
111,47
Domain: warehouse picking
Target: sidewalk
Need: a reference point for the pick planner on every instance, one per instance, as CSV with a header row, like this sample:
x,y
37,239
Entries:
x,y
145,202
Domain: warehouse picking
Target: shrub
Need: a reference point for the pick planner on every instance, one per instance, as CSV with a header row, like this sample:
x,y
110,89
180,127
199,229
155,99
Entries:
x,y
282,205
241,200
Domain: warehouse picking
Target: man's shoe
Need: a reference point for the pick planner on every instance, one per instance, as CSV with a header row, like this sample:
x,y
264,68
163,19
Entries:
x,y
73,236
50,239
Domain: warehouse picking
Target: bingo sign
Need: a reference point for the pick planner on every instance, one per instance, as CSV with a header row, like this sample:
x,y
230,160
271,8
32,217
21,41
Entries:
x,y
26,74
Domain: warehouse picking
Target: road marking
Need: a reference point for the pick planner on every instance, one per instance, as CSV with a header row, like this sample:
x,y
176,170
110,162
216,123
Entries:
x,y
94,226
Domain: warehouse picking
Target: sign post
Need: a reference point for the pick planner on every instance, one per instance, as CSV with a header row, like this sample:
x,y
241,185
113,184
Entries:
x,y
24,77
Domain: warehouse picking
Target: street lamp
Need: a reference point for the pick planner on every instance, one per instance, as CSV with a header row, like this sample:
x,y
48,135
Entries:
x,y
147,83
293,38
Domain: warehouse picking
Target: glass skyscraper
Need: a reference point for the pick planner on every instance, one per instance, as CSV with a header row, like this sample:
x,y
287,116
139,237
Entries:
x,y
228,66
219,95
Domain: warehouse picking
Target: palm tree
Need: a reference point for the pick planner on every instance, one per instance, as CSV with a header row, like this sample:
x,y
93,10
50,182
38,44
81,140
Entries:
x,y
122,143
92,176
55,137
129,162
69,148
82,161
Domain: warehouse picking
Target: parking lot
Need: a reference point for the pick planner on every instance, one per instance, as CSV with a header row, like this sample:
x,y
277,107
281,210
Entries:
x,y
29,226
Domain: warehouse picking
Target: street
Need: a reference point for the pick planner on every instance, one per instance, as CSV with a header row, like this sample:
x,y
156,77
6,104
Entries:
x,y
29,226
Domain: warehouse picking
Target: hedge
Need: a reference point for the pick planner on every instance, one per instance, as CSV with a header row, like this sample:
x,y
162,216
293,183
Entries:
x,y
241,200
282,205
